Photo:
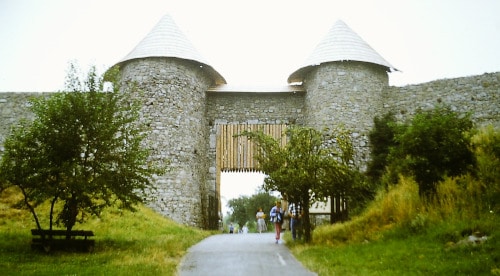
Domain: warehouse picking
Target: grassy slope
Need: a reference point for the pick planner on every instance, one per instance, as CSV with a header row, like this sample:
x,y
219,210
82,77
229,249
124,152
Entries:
x,y
400,235
140,243
422,254
389,239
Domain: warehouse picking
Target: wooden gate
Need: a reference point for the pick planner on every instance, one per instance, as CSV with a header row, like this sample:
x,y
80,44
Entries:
x,y
236,153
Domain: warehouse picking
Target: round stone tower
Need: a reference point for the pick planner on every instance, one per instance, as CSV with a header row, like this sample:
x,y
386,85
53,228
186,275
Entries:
x,y
344,78
171,79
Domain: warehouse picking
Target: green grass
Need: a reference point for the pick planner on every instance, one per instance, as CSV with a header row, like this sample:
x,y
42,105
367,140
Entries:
x,y
140,243
399,234
423,254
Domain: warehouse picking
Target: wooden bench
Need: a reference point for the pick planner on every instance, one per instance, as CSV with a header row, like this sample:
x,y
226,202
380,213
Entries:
x,y
62,239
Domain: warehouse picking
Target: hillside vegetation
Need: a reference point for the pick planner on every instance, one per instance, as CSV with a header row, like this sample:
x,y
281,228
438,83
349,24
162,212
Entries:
x,y
455,232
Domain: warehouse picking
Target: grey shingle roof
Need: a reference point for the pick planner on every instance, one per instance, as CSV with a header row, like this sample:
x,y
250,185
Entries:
x,y
167,40
340,44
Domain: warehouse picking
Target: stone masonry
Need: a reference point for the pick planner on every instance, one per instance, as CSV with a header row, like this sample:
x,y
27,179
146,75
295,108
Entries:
x,y
183,124
184,100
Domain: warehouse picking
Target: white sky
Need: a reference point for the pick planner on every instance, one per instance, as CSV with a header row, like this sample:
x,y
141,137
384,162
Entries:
x,y
234,185
258,42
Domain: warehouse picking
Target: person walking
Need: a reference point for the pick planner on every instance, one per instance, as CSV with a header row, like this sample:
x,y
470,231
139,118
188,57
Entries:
x,y
261,223
276,215
295,220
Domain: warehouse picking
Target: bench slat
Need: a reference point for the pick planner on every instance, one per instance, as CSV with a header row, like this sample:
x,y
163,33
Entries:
x,y
84,233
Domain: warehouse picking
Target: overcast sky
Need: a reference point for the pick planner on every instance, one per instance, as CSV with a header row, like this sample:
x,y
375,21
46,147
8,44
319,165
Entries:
x,y
249,42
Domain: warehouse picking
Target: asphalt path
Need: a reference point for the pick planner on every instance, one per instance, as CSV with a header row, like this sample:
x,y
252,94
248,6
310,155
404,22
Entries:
x,y
240,254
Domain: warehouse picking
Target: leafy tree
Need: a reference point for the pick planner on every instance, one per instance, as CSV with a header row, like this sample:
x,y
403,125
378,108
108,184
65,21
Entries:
x,y
339,177
260,200
382,139
83,150
435,144
308,169
239,210
244,208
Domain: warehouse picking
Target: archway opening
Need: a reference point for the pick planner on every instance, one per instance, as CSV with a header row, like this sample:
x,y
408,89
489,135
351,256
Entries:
x,y
237,171
237,184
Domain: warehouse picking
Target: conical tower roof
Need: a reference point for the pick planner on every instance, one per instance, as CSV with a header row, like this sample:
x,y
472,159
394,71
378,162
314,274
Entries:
x,y
340,44
167,40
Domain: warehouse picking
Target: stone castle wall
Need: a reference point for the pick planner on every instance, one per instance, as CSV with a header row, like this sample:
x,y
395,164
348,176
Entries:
x,y
183,116
15,106
345,94
174,100
255,108
479,95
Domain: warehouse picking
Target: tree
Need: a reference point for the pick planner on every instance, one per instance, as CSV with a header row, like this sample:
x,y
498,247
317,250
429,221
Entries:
x,y
343,181
239,210
308,169
435,144
83,152
262,200
245,208
382,139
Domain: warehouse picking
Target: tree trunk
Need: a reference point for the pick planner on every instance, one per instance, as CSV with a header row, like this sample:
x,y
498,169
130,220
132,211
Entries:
x,y
51,215
32,210
306,222
70,213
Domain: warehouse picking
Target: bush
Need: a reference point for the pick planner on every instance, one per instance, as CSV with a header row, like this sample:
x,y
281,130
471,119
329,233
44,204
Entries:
x,y
435,144
397,207
487,150
381,140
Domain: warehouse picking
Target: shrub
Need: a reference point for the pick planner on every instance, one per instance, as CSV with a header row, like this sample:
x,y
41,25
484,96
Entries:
x,y
487,150
435,144
381,140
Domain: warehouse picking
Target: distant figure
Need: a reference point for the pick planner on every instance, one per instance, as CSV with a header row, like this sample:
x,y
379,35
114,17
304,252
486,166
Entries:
x,y
295,224
261,223
245,229
285,225
231,229
277,218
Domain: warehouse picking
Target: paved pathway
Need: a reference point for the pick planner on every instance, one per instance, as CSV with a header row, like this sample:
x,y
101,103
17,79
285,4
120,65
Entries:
x,y
240,254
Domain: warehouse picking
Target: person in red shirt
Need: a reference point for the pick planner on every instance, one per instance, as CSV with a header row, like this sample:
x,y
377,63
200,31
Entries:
x,y
276,215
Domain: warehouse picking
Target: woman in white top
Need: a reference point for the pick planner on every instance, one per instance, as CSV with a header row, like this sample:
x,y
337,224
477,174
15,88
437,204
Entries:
x,y
261,223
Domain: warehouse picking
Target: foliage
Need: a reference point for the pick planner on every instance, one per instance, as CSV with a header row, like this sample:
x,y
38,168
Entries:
x,y
312,166
83,150
382,139
361,192
487,149
434,144
239,210
343,179
400,225
244,208
401,208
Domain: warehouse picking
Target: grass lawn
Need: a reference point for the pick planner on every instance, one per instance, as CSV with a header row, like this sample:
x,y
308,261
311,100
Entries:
x,y
411,256
146,243
140,243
